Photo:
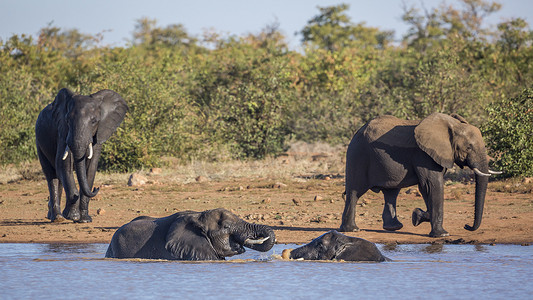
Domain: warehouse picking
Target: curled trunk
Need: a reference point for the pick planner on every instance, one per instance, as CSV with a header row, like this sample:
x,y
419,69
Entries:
x,y
262,239
81,172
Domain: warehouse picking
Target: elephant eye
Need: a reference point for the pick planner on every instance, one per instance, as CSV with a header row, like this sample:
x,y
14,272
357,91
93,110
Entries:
x,y
93,120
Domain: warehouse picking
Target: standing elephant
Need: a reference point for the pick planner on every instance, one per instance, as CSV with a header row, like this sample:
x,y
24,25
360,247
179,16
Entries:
x,y
333,245
387,154
69,134
209,235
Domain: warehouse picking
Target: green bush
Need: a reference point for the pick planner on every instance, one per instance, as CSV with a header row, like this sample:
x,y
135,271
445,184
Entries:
x,y
217,98
242,91
156,122
508,133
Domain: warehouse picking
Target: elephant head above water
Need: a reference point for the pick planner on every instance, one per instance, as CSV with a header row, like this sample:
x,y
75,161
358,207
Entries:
x,y
388,153
69,135
333,245
209,235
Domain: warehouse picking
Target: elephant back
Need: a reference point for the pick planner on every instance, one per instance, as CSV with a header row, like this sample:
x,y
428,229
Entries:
x,y
391,131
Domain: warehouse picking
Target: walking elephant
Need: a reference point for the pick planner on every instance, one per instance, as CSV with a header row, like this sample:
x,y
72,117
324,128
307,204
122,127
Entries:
x,y
69,134
209,235
333,245
388,153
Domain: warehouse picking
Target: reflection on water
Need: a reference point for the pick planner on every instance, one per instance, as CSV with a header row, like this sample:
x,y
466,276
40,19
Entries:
x,y
433,248
71,248
32,271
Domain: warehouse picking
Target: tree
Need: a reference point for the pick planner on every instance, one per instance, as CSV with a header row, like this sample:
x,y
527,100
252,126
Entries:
x,y
333,30
439,25
71,43
149,35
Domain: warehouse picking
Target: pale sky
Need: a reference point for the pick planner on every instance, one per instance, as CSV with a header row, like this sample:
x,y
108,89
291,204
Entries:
x,y
232,17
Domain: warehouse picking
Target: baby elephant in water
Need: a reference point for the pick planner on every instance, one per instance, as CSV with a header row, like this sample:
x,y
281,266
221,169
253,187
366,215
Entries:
x,y
209,235
337,246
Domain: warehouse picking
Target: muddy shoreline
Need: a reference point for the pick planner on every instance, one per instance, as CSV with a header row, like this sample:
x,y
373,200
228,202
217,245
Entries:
x,y
298,208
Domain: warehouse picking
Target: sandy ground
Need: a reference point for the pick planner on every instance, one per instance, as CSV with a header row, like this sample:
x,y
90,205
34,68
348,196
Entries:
x,y
298,207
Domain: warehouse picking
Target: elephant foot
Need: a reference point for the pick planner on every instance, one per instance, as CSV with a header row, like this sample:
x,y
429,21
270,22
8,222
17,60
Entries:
x,y
349,228
55,215
84,218
393,226
438,233
419,216
71,213
57,219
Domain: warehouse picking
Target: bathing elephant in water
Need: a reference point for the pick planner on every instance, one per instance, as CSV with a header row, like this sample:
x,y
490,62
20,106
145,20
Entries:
x,y
209,235
388,154
69,134
337,246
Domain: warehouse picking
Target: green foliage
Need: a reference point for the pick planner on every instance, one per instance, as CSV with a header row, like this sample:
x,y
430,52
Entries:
x,y
332,30
26,81
156,122
217,98
241,91
508,134
329,89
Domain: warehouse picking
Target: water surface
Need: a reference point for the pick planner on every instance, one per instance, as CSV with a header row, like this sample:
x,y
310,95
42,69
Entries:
x,y
61,271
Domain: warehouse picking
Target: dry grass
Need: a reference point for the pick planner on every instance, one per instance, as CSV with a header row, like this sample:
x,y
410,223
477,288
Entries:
x,y
25,171
283,167
301,161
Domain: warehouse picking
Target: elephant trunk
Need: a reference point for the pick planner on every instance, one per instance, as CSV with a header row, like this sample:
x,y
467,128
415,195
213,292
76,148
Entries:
x,y
481,189
262,238
81,172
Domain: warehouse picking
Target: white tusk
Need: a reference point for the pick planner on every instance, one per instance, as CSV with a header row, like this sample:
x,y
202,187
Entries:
x,y
495,172
90,151
66,153
478,172
254,242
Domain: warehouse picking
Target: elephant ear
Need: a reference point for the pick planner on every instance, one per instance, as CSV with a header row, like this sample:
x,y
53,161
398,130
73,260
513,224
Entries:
x,y
433,136
112,111
186,240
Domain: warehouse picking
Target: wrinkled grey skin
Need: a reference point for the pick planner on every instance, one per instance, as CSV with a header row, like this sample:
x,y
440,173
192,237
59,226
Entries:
x,y
209,235
337,246
75,121
388,154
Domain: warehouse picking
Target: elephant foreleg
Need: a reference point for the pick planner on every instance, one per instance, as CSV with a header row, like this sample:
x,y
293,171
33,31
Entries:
x,y
72,204
390,219
433,193
419,216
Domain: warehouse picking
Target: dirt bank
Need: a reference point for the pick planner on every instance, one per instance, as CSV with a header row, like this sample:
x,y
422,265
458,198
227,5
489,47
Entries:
x,y
299,208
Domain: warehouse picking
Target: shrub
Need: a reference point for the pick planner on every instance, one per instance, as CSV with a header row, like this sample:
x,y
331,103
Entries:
x,y
508,134
156,122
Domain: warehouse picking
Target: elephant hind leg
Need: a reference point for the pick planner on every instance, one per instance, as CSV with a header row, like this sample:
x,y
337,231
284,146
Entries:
x,y
348,216
390,219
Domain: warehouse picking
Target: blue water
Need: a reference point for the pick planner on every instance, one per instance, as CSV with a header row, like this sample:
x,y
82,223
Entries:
x,y
78,271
